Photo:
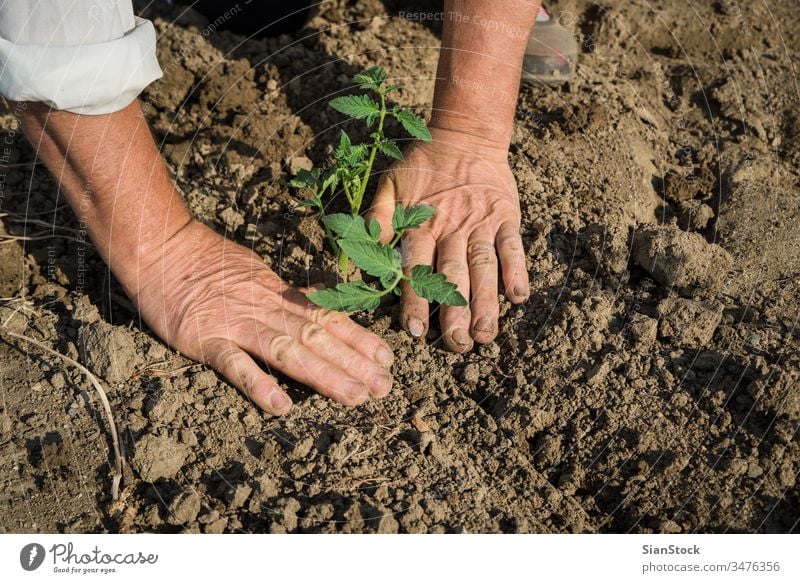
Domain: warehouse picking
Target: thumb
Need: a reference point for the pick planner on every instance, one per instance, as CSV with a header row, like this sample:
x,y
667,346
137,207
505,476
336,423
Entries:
x,y
383,205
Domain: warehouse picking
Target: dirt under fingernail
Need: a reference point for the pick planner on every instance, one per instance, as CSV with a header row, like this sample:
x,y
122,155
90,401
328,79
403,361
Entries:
x,y
415,327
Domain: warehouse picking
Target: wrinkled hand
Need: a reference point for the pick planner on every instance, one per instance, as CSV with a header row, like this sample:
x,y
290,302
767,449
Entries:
x,y
477,220
218,303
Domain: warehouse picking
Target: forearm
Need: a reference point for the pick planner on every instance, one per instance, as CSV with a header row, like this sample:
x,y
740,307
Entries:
x,y
483,46
113,177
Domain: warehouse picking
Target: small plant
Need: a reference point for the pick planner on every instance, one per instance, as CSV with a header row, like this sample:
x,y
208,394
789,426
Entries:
x,y
349,235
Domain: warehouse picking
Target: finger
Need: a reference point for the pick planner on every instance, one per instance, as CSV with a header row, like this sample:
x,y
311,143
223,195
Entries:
x,y
455,320
243,372
343,328
324,344
383,206
418,248
282,352
482,261
512,262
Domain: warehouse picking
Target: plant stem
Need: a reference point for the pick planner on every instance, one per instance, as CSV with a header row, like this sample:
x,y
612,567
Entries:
x,y
344,265
396,239
373,151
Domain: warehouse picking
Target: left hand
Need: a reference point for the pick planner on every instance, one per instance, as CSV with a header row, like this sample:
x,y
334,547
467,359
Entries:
x,y
468,181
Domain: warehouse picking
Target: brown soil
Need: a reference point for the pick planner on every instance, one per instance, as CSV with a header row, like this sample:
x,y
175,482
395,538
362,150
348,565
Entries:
x,y
650,385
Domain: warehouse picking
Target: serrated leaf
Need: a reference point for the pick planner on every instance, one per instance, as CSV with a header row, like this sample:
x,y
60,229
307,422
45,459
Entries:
x,y
347,297
411,217
372,78
305,178
434,287
374,229
412,124
390,149
347,226
331,181
391,88
373,258
356,106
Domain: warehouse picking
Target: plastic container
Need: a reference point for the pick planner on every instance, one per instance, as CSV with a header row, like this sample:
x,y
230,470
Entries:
x,y
552,53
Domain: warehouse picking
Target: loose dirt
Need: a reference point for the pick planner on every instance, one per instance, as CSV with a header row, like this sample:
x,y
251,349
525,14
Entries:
x,y
650,384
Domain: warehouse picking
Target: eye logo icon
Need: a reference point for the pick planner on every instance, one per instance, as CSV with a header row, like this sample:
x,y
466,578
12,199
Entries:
x,y
31,556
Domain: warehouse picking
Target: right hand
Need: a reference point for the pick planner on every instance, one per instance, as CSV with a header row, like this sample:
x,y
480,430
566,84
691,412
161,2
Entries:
x,y
218,303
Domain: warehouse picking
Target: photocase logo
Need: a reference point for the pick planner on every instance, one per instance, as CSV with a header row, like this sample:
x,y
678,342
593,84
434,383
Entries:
x,y
31,556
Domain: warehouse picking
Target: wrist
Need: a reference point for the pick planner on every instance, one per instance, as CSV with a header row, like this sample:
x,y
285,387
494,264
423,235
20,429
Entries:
x,y
465,140
478,129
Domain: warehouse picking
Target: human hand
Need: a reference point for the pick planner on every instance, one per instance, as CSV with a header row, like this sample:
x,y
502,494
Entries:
x,y
218,303
477,220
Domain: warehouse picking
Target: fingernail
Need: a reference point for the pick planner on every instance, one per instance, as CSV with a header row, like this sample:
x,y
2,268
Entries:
x,y
384,356
355,389
521,292
460,337
280,402
484,324
381,384
415,327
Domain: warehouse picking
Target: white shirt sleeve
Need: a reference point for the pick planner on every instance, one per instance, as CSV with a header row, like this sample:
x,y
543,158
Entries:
x,y
89,57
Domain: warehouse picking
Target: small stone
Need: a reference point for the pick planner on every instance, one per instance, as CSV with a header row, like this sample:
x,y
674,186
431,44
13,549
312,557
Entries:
x,y
233,219
643,330
297,163
216,527
205,379
597,374
754,470
302,448
679,259
208,517
236,497
109,351
58,380
687,322
267,487
185,508
286,510
158,457
694,215
472,373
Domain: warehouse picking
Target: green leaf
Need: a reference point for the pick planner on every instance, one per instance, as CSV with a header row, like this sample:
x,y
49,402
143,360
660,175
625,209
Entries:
x,y
391,88
374,229
434,287
348,226
305,178
356,106
347,297
412,124
309,202
372,78
374,258
331,181
390,149
411,217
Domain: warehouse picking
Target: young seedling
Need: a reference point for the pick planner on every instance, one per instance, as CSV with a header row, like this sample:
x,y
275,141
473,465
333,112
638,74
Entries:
x,y
349,235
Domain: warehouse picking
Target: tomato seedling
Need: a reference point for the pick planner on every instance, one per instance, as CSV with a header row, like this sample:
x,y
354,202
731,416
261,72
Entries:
x,y
349,235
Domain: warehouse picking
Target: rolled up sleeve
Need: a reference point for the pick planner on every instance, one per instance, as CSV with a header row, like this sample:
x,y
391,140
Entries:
x,y
90,57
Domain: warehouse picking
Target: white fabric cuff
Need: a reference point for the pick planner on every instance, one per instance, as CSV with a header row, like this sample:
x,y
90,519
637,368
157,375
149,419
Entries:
x,y
91,79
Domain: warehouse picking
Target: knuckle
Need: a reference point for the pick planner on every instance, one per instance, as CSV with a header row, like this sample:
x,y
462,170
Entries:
x,y
451,267
481,253
225,359
279,347
311,333
510,242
